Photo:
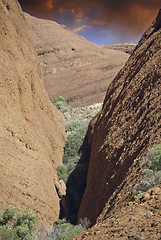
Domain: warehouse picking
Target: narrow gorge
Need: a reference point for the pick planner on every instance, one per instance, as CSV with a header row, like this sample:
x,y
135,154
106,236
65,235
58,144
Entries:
x,y
100,151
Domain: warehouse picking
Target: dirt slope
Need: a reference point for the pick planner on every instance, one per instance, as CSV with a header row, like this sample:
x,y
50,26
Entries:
x,y
74,68
128,124
138,220
31,129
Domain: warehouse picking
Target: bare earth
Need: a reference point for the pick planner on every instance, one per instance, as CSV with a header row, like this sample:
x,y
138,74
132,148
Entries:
x,y
74,68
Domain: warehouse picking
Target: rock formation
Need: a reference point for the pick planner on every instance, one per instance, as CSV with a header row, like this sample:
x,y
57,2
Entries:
x,y
128,124
74,68
31,130
138,220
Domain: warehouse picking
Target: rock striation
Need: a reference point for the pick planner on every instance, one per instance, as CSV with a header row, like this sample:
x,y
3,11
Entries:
x,y
74,68
31,129
128,124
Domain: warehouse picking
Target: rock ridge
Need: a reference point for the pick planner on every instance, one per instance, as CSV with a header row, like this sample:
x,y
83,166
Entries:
x,y
128,124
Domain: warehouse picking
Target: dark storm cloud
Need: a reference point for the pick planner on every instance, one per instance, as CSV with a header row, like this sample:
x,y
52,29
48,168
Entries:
x,y
124,13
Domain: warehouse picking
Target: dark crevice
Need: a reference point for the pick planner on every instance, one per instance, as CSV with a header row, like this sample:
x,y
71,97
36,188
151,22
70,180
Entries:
x,y
76,185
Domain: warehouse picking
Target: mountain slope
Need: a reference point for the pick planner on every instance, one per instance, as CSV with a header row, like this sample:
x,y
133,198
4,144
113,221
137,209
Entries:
x,y
74,68
32,132
128,124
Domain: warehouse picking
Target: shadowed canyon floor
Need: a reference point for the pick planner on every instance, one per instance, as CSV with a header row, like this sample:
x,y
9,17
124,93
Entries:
x,y
74,68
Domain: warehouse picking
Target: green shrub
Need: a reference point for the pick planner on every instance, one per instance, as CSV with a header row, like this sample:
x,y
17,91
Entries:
x,y
148,214
60,103
61,230
78,124
139,194
62,173
158,177
151,171
8,215
8,234
22,231
154,156
59,99
25,223
21,224
72,147
148,171
65,230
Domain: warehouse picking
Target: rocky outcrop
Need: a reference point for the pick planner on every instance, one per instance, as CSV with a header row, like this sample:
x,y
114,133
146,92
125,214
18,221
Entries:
x,y
31,129
138,220
128,124
74,68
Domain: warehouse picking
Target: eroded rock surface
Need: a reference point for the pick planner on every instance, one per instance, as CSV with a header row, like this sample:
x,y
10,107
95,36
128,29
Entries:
x,y
138,220
31,129
74,68
128,124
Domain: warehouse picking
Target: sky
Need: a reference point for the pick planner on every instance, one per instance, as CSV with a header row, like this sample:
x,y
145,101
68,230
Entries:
x,y
101,21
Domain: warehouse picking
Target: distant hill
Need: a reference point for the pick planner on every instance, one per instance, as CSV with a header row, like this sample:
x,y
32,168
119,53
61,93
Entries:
x,y
74,68
127,48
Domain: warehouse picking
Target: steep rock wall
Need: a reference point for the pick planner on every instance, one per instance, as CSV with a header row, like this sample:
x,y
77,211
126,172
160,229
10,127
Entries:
x,y
31,130
128,124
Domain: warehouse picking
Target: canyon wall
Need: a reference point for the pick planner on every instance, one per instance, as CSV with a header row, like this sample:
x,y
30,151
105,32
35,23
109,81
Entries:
x,y
128,124
31,129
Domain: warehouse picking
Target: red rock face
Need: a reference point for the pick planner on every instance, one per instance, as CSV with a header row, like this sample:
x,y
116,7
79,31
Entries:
x,y
32,131
129,123
74,68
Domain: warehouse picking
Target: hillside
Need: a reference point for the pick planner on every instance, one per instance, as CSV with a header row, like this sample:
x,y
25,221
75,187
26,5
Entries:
x,y
32,130
127,47
120,136
74,68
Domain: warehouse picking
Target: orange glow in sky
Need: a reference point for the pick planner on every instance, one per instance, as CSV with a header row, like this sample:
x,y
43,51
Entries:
x,y
131,17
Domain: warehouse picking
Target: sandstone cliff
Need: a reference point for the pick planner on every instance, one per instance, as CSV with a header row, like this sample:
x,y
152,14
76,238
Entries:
x,y
31,129
74,68
128,124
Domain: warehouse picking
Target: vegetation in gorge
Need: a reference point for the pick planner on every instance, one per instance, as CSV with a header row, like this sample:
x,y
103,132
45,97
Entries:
x,y
76,152
151,171
76,128
61,230
18,225
15,224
